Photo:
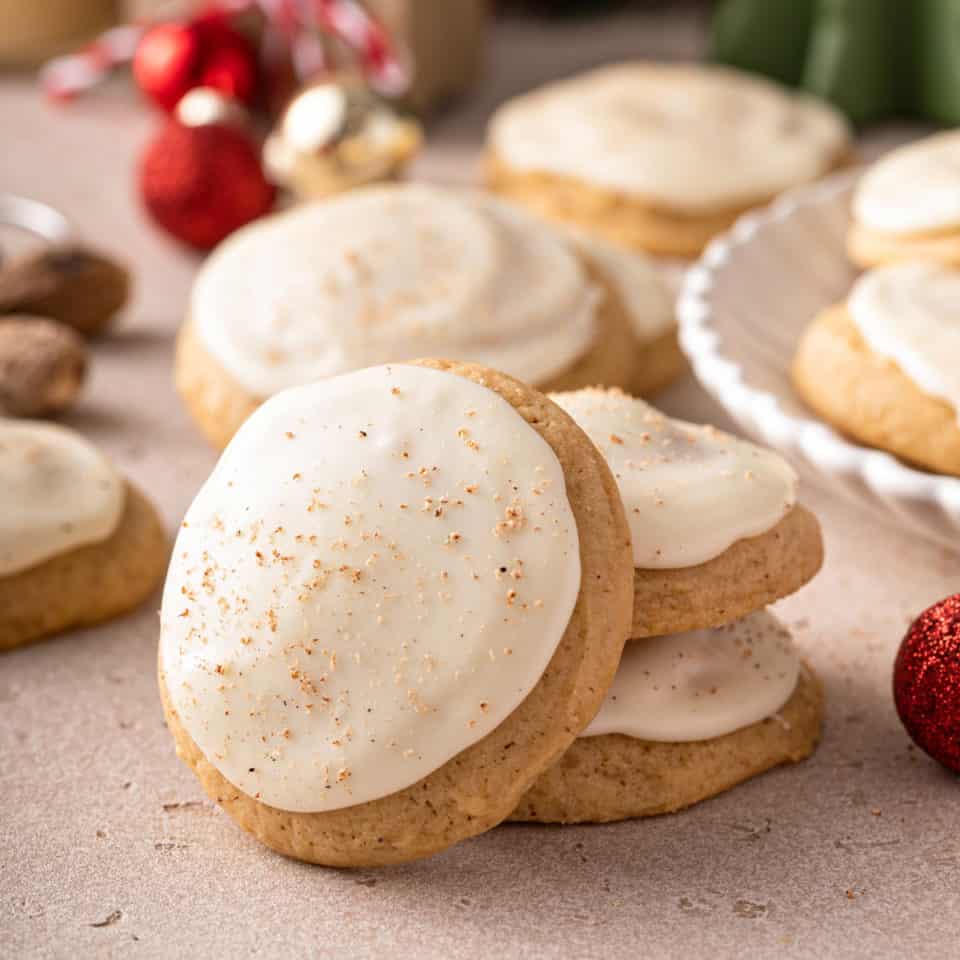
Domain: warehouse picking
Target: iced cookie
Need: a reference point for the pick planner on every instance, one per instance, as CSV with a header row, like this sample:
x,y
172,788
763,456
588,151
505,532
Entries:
x,y
884,368
689,716
659,157
714,520
78,544
907,205
393,273
398,598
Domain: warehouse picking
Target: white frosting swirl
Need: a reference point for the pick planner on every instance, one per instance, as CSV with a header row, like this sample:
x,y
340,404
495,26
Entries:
x,y
702,684
60,493
374,577
908,312
690,491
914,189
393,273
695,139
642,291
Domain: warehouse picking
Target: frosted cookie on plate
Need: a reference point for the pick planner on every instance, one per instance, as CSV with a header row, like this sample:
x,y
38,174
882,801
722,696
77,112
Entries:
x,y
907,205
688,717
79,544
716,528
659,157
884,367
397,600
392,273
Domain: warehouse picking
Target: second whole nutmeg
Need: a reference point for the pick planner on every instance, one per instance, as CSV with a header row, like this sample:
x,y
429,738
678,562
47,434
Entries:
x,y
43,365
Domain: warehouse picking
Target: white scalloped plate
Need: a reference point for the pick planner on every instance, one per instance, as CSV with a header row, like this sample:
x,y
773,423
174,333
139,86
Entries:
x,y
742,309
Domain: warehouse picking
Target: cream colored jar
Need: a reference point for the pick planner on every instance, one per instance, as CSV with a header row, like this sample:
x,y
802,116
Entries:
x,y
32,30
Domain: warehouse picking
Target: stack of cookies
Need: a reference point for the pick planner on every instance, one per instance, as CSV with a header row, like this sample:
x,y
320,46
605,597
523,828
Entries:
x,y
397,610
417,598
710,690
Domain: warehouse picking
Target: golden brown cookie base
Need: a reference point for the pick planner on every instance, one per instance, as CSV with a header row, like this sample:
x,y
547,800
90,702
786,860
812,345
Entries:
x,y
869,398
219,404
90,584
624,219
870,248
747,576
614,777
620,218
480,786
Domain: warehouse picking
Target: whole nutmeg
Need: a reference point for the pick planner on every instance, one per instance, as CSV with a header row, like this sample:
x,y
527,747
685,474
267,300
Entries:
x,y
42,366
76,286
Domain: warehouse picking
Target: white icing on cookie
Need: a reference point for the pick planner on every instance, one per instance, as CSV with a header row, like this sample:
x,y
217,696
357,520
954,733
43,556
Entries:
x,y
58,493
690,491
695,139
914,189
909,313
640,288
376,574
702,684
392,273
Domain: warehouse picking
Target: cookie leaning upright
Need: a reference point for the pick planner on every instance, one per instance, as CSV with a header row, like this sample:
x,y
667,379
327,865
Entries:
x,y
392,273
711,691
79,544
396,601
659,157
907,205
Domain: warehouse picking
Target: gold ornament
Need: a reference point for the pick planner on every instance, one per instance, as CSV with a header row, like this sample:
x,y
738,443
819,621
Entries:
x,y
337,134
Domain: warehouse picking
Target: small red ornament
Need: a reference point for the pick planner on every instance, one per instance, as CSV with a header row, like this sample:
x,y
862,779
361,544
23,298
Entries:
x,y
173,58
926,681
202,183
165,64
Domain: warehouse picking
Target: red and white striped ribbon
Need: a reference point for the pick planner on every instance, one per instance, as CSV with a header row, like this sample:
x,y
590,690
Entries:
x,y
66,77
300,22
349,20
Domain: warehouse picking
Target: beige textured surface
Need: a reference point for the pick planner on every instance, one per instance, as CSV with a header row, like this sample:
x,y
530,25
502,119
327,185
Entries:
x,y
109,847
868,397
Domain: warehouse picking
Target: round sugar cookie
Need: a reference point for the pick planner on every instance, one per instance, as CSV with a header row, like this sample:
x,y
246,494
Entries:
x,y
448,668
882,367
715,526
393,273
687,717
603,779
905,206
620,151
750,574
82,546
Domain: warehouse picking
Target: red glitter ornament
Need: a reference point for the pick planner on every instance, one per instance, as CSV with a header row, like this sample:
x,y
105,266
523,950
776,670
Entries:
x,y
173,58
202,183
926,681
166,61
